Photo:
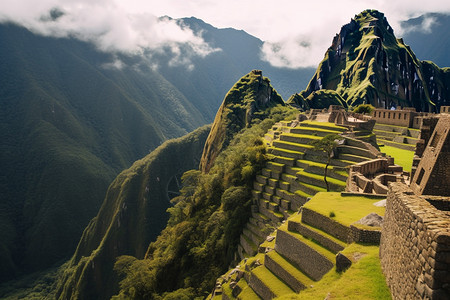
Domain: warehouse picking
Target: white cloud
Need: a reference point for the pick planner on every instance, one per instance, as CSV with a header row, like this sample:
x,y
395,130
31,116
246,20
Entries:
x,y
297,33
110,27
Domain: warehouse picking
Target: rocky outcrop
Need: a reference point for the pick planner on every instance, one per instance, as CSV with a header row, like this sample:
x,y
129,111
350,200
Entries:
x,y
367,64
132,215
252,93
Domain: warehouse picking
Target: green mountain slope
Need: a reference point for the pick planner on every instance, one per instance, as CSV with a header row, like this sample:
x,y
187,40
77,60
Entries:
x,y
69,123
68,126
250,95
132,215
367,64
211,209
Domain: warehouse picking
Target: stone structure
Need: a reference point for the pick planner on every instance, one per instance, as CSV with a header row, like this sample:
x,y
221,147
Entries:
x,y
445,110
405,117
373,176
433,171
415,245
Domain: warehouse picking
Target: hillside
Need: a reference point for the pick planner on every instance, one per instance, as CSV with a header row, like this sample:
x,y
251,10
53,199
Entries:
x,y
367,64
70,122
68,126
223,192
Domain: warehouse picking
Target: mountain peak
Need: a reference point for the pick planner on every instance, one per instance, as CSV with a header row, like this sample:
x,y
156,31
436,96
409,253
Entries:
x,y
367,64
252,93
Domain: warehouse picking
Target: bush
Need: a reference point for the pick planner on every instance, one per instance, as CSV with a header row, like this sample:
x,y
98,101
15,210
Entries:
x,y
364,109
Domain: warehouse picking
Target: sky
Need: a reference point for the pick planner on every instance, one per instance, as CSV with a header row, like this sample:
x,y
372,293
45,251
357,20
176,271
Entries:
x,y
296,33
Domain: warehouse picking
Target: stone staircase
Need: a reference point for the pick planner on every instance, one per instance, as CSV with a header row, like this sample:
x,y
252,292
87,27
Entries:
x,y
294,174
302,254
284,247
397,136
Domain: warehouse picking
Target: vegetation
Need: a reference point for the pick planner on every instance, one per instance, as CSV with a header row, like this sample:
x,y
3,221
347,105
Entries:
x,y
346,209
364,109
328,144
364,280
204,226
401,157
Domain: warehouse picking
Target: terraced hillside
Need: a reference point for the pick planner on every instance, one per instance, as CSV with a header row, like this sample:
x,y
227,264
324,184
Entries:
x,y
294,174
303,252
397,136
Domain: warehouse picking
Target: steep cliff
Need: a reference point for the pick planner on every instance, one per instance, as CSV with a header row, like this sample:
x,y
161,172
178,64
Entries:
x,y
250,95
132,215
367,64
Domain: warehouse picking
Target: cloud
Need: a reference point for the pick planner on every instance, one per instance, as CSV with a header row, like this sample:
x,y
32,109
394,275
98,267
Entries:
x,y
296,33
110,27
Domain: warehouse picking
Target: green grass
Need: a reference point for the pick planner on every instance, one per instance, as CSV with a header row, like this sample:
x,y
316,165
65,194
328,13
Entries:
x,y
347,209
275,284
401,157
363,280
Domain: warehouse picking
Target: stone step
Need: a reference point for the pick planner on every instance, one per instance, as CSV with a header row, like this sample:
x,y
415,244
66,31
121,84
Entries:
x,y
267,196
260,217
283,269
323,159
312,259
246,292
323,125
258,186
261,230
272,182
285,160
298,138
269,189
266,285
397,145
317,180
309,190
250,248
355,151
266,172
312,131
321,237
292,146
352,157
296,201
274,217
274,166
286,153
389,134
262,179
326,224
254,237
292,170
319,169
256,194
405,140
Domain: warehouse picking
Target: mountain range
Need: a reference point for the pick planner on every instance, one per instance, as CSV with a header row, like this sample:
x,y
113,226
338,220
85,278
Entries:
x,y
70,123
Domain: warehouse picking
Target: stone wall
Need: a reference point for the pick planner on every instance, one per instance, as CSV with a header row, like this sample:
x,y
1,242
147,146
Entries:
x,y
326,224
394,117
366,236
415,246
433,172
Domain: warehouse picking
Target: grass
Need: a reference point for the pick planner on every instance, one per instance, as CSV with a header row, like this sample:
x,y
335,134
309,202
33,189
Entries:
x,y
402,157
363,280
347,209
275,284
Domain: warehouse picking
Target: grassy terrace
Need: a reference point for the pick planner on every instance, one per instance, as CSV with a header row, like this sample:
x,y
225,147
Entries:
x,y
364,280
401,157
347,209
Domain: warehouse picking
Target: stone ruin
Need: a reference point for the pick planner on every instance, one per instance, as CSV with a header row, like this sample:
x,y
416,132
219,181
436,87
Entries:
x,y
415,240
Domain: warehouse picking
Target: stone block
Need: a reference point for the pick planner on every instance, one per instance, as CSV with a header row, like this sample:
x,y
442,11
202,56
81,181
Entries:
x,y
342,262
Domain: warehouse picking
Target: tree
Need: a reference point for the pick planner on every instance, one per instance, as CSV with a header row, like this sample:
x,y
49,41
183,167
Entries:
x,y
364,109
328,144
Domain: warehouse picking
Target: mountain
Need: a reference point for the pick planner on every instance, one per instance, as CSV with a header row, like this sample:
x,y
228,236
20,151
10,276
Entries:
x,y
68,126
70,122
367,64
251,94
132,215
127,221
